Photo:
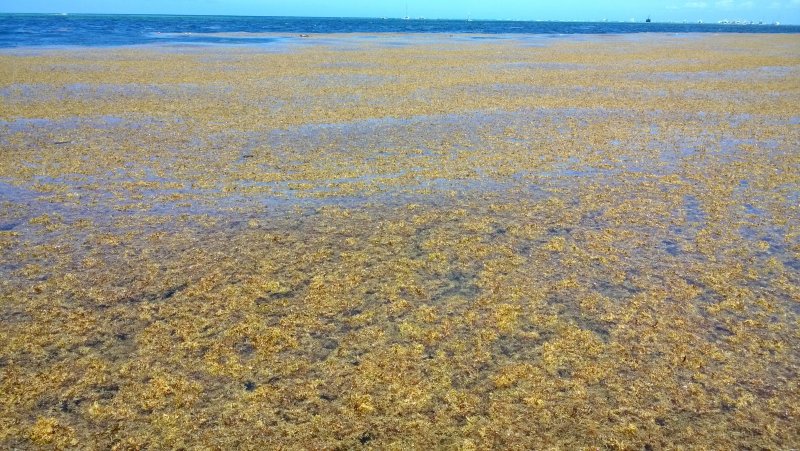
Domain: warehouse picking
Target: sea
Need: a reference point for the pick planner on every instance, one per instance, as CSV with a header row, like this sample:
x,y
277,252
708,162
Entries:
x,y
54,30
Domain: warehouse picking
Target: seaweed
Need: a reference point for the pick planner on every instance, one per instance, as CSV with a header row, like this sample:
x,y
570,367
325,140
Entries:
x,y
454,244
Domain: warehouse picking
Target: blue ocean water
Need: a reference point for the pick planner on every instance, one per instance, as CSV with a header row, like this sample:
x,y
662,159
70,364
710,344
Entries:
x,y
24,30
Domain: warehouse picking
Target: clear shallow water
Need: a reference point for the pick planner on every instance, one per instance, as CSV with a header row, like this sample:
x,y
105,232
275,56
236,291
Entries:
x,y
402,246
23,30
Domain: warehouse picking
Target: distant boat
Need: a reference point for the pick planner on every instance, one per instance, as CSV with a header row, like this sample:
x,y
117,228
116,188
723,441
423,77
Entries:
x,y
648,19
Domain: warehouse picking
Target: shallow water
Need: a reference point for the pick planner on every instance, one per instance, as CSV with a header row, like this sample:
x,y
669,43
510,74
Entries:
x,y
452,244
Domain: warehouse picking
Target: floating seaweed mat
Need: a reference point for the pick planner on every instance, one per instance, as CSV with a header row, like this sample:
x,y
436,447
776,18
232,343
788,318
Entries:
x,y
585,244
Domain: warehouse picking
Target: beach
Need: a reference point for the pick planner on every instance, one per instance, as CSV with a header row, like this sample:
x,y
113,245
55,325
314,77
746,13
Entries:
x,y
402,241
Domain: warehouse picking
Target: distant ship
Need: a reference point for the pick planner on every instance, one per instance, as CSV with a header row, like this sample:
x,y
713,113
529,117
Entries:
x,y
648,19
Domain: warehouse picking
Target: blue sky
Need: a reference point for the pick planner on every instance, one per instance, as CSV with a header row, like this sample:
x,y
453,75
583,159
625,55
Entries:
x,y
784,11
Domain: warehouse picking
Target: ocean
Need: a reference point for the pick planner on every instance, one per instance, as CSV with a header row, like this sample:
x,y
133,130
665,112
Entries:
x,y
27,30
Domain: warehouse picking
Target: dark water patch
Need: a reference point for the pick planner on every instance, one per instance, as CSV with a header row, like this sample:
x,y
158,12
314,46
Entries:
x,y
14,317
28,93
760,73
672,247
155,297
365,438
244,348
458,283
751,210
107,391
172,291
271,298
70,406
617,292
104,125
693,209
722,331
547,65
329,344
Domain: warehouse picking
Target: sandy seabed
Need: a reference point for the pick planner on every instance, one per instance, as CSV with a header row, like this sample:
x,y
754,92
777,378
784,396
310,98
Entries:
x,y
402,242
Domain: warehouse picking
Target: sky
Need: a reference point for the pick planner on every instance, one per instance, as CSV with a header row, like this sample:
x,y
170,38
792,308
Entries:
x,y
784,11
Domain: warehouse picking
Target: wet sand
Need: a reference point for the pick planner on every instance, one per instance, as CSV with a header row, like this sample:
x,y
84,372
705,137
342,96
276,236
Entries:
x,y
400,242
